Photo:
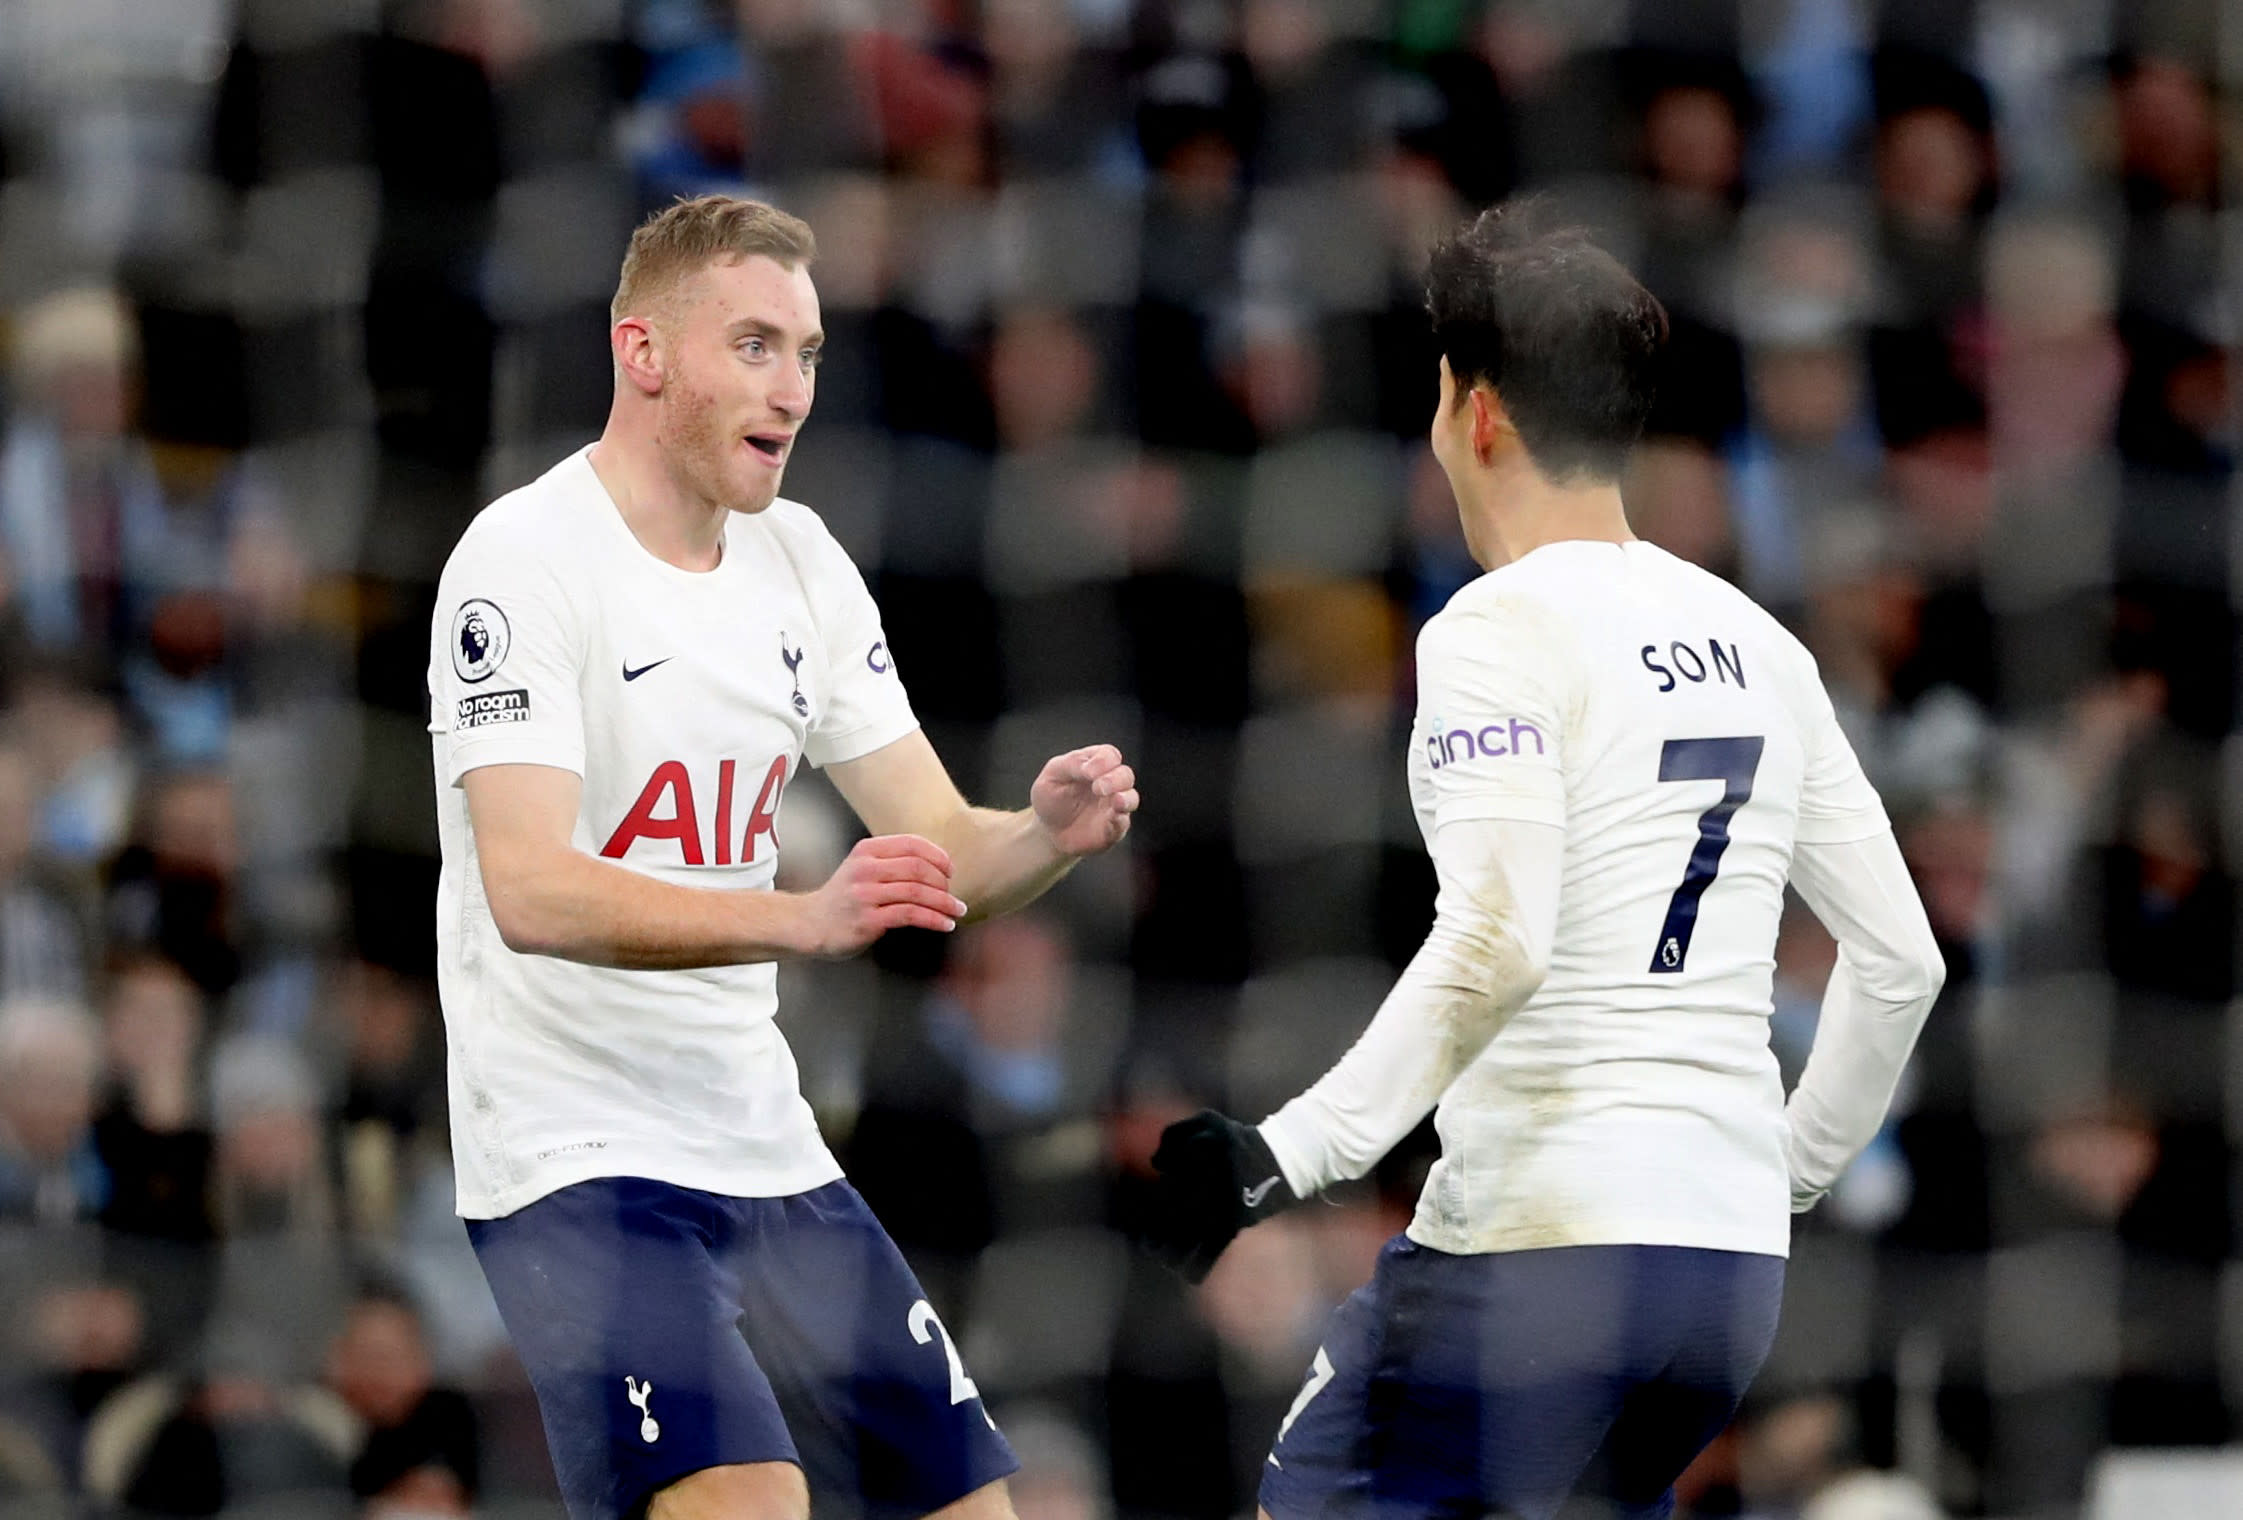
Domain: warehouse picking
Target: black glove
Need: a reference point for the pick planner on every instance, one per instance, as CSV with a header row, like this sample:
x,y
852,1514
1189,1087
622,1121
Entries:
x,y
1216,1177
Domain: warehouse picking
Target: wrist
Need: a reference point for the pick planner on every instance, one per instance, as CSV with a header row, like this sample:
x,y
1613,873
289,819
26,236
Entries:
x,y
1046,839
782,924
1264,1186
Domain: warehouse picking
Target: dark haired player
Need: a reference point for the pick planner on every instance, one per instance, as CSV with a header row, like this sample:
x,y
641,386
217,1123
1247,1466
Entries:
x,y
1617,764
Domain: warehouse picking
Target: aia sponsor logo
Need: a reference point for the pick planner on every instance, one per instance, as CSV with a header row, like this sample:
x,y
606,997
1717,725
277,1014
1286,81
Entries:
x,y
667,809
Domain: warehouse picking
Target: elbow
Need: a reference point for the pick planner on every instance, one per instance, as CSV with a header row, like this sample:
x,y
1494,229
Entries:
x,y
524,932
1511,978
1911,977
525,925
1519,971
1514,991
1930,969
1498,970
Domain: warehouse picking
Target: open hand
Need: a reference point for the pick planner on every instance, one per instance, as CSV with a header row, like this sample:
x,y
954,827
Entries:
x,y
892,881
1084,798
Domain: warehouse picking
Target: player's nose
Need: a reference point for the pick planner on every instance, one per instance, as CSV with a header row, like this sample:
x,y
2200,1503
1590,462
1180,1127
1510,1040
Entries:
x,y
790,394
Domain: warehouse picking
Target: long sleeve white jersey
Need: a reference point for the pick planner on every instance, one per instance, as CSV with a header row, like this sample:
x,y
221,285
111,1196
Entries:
x,y
1614,728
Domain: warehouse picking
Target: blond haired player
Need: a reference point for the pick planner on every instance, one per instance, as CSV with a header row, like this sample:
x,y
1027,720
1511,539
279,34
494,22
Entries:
x,y
631,657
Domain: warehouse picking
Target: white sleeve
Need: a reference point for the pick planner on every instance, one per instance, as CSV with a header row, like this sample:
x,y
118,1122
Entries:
x,y
1496,688
865,706
506,658
1889,972
1485,956
1836,802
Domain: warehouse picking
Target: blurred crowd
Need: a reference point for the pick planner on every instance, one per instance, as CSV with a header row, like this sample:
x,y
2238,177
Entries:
x,y
1123,417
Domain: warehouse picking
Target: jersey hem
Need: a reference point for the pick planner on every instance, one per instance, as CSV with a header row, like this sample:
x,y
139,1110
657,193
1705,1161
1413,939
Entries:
x,y
725,1181
1639,1231
1485,809
857,743
526,752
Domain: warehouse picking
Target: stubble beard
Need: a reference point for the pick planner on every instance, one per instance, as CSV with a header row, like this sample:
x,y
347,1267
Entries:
x,y
700,453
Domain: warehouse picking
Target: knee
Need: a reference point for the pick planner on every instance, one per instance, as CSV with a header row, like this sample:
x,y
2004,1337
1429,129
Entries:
x,y
741,1491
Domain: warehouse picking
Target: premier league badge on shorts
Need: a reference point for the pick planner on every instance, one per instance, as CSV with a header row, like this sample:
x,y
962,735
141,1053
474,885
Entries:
x,y
480,638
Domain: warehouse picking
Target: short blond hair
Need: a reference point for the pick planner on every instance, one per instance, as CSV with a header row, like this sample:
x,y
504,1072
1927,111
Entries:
x,y
682,240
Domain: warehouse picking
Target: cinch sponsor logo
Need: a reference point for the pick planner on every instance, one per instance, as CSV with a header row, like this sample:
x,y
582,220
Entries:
x,y
494,707
1505,736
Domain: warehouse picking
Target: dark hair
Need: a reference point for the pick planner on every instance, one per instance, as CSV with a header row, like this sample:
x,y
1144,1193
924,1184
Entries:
x,y
1565,336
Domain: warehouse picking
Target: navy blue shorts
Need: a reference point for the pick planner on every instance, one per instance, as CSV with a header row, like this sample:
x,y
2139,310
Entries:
x,y
667,1330
1501,1384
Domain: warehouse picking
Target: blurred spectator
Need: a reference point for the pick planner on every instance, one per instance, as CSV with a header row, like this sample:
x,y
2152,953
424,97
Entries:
x,y
2057,364
1695,110
171,889
1056,100
2168,903
1809,441
977,1114
86,1339
234,1436
272,1174
420,1453
83,771
50,1071
152,1133
119,547
281,1268
70,470
393,1090
42,943
1191,133
692,127
1677,492
1935,180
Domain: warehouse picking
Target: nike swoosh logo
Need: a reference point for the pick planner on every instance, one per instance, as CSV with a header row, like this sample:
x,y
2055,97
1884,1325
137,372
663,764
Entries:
x,y
1254,1195
632,675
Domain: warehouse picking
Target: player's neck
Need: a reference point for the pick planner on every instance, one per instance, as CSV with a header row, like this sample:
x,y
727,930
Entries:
x,y
670,522
1513,512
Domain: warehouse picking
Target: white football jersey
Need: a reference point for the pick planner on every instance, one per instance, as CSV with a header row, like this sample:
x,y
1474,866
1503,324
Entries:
x,y
1682,739
685,701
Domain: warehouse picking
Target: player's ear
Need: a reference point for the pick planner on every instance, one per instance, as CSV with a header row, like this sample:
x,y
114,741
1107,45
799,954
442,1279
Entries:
x,y
638,354
1491,424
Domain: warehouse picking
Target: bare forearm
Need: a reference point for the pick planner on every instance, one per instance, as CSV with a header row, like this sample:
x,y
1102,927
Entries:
x,y
573,907
1000,861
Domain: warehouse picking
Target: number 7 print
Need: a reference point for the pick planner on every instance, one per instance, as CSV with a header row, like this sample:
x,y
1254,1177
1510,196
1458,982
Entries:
x,y
1734,761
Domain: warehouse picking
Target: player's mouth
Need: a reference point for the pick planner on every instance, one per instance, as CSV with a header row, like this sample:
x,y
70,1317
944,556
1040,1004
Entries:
x,y
771,446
